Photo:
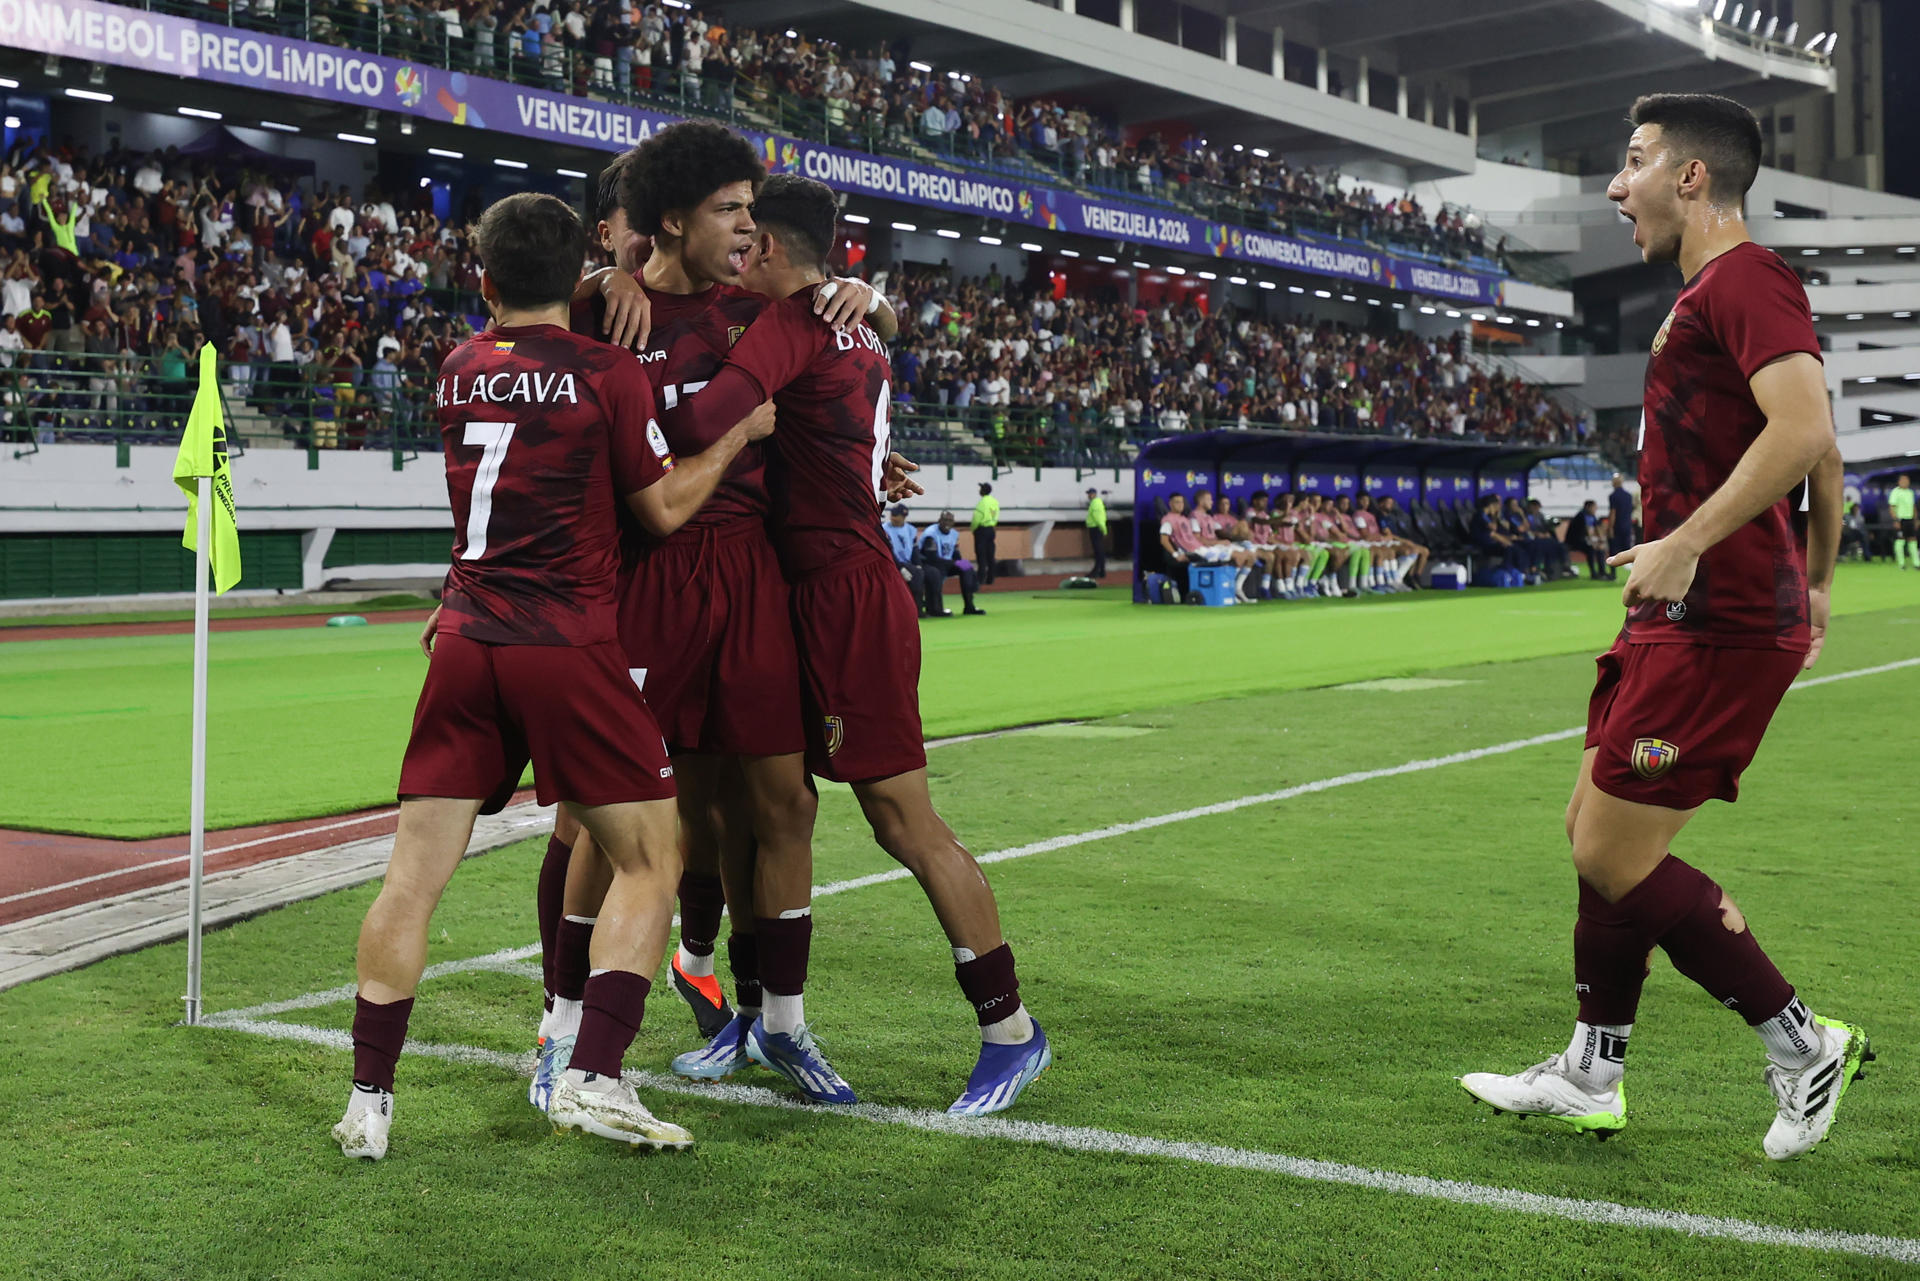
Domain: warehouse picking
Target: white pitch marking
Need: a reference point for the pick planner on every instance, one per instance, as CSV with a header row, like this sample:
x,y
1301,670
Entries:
x,y
1074,1138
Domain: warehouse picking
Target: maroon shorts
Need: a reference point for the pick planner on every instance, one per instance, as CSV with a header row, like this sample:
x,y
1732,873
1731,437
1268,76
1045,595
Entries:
x,y
486,710
859,637
704,618
1676,724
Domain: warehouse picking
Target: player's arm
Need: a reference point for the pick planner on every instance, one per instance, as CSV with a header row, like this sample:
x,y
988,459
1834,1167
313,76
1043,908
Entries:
x,y
671,501
1792,393
845,300
629,317
1826,497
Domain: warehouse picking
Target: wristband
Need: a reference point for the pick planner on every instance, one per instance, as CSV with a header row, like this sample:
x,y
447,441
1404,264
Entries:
x,y
873,303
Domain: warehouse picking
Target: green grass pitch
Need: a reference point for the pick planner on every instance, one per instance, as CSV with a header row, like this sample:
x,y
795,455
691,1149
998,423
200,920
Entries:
x,y
1299,978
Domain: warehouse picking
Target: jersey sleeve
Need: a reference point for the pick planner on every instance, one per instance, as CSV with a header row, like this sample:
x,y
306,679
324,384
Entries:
x,y
636,447
1760,313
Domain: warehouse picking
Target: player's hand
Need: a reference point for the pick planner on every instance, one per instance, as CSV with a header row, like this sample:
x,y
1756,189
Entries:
x,y
1819,607
759,424
843,301
428,632
898,468
629,312
1662,571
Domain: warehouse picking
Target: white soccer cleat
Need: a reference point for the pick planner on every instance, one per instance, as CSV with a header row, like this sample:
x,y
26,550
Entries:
x,y
1545,1090
362,1132
1809,1096
607,1106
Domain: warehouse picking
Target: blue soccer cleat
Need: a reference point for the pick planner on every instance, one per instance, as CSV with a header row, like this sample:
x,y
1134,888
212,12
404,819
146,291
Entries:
x,y
555,1052
1002,1073
720,1057
798,1058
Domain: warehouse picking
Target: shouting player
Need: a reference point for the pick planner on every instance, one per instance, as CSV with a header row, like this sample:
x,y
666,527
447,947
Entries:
x,y
703,614
1727,600
545,432
857,629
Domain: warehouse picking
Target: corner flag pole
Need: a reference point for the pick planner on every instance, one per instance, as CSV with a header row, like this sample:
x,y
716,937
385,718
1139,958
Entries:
x,y
197,805
200,470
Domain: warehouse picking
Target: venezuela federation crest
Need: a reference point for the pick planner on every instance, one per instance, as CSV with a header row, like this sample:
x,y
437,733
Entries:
x,y
834,730
1653,757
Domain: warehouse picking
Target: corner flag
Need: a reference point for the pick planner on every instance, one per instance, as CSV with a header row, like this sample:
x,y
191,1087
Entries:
x,y
203,452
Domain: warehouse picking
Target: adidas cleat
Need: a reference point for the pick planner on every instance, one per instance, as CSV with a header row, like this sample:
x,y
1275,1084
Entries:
x,y
1002,1074
710,1009
720,1057
362,1132
1810,1096
608,1107
798,1058
1545,1090
555,1053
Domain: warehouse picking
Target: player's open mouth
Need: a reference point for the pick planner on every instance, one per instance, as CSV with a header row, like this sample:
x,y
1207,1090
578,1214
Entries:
x,y
737,260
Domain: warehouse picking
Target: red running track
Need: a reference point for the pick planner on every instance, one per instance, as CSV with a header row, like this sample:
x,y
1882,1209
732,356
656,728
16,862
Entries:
x,y
43,872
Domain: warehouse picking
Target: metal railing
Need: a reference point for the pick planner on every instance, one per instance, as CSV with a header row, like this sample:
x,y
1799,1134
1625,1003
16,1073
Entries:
x,y
723,94
79,397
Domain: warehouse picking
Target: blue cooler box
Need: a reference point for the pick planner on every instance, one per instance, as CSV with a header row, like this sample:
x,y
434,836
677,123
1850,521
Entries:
x,y
1211,584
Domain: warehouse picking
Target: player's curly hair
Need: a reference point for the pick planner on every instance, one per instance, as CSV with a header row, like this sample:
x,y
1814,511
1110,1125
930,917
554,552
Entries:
x,y
679,167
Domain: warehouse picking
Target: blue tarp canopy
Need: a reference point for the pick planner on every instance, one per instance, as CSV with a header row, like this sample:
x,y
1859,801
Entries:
x,y
1236,464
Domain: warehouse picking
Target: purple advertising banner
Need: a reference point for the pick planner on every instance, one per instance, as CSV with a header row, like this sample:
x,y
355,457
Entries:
x,y
1400,482
220,54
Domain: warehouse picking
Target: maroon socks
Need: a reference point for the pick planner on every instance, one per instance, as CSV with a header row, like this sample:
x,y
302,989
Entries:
x,y
378,1033
702,900
571,960
547,904
990,984
783,943
1609,960
743,958
616,1001
1707,939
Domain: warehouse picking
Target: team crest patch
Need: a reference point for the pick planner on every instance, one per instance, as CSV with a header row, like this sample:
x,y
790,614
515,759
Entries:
x,y
1676,610
1653,757
836,732
1660,339
734,332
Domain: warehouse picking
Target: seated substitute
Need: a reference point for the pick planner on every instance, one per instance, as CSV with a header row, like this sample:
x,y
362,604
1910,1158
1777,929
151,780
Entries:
x,y
1400,525
904,540
1493,540
1180,538
940,560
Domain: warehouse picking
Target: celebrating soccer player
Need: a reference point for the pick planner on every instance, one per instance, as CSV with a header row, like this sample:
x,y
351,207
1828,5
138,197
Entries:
x,y
855,621
545,432
1727,600
703,615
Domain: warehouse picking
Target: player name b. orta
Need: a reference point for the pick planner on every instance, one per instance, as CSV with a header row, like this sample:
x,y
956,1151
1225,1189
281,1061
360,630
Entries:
x,y
502,388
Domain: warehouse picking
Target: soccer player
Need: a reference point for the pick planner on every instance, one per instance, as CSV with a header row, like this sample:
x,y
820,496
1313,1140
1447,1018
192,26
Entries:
x,y
1181,541
1727,601
545,431
1900,503
833,393
704,613
1396,523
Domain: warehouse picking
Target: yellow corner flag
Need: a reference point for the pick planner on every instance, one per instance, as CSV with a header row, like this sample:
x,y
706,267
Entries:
x,y
203,452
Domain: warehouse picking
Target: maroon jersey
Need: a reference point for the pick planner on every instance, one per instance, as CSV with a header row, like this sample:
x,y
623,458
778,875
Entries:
x,y
1743,310
832,391
544,432
690,338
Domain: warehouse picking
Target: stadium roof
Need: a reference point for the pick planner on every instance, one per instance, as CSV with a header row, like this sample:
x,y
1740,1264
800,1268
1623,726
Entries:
x,y
1570,65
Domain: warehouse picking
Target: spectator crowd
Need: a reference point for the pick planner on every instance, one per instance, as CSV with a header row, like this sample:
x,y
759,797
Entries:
x,y
1113,368
876,97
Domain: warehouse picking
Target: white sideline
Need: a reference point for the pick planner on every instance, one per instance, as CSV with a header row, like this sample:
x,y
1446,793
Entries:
x,y
501,959
1115,1143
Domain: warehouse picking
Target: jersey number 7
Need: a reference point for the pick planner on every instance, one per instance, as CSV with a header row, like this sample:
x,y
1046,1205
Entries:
x,y
493,438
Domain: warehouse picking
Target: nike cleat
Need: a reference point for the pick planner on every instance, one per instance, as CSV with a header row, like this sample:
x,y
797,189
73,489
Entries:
x,y
608,1107
1809,1096
1545,1090
720,1057
798,1058
710,1009
362,1132
1002,1074
555,1052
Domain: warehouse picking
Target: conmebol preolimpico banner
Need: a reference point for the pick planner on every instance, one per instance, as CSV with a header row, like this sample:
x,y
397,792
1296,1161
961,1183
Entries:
x,y
214,52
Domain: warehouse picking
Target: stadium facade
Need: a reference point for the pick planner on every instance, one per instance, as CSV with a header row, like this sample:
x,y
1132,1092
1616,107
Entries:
x,y
1505,117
